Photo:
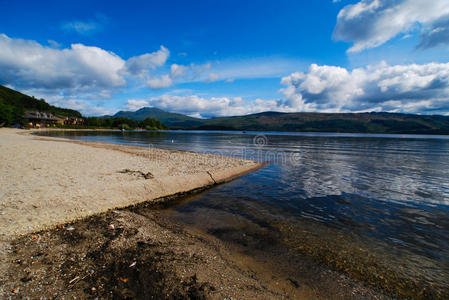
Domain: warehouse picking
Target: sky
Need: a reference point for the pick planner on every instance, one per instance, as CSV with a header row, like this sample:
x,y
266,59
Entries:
x,y
222,58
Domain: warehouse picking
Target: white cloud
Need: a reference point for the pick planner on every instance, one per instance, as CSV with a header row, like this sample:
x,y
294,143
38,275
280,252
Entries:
x,y
160,82
27,64
53,44
180,73
134,105
194,105
86,27
177,70
87,108
250,68
227,70
405,88
195,72
371,23
142,64
437,34
233,69
83,28
78,70
212,77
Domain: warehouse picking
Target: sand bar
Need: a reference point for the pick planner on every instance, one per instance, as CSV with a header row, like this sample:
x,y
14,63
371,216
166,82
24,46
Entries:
x,y
49,181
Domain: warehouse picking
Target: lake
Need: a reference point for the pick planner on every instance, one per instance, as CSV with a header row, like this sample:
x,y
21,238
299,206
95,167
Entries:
x,y
372,206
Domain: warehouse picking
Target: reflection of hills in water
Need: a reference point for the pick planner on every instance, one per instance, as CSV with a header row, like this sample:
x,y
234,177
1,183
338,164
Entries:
x,y
374,207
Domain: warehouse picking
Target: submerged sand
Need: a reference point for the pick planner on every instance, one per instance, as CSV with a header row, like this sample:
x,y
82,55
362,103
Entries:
x,y
138,252
48,181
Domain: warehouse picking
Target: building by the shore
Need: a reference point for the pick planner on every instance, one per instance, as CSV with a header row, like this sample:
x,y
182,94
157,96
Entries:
x,y
43,119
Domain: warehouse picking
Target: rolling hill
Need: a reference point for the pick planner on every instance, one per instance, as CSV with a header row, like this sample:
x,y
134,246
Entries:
x,y
304,121
172,120
13,104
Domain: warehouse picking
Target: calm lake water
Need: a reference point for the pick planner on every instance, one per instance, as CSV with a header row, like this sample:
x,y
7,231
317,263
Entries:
x,y
374,206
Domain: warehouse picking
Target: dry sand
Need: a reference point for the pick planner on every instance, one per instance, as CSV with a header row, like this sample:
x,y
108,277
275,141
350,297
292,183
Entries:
x,y
48,181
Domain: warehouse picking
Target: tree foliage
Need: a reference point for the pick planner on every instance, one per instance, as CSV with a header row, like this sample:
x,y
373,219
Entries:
x,y
123,123
14,104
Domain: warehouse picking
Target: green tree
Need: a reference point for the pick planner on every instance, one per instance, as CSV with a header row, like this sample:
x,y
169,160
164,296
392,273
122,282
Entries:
x,y
6,113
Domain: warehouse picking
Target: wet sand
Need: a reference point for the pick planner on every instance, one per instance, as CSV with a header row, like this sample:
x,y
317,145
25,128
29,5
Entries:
x,y
138,253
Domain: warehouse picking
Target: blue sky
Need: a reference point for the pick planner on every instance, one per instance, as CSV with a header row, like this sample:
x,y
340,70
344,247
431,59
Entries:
x,y
215,58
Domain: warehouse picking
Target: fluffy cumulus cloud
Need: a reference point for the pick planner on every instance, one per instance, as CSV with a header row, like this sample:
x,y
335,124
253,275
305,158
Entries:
x,y
140,65
401,88
79,70
27,64
180,74
189,73
92,72
371,23
160,82
194,105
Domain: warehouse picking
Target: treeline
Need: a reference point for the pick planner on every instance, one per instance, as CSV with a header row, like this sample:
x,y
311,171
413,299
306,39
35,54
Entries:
x,y
14,104
123,123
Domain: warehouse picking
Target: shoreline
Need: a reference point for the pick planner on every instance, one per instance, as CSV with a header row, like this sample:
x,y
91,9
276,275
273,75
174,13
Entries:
x,y
54,180
138,252
67,258
19,227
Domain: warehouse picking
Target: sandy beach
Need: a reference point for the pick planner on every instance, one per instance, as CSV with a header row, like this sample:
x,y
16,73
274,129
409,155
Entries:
x,y
81,220
47,181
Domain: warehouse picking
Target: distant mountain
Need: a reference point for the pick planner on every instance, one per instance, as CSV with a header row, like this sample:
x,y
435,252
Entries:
x,y
314,122
337,122
171,120
13,104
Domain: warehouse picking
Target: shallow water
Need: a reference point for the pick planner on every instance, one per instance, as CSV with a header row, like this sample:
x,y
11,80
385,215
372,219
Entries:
x,y
374,206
